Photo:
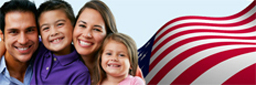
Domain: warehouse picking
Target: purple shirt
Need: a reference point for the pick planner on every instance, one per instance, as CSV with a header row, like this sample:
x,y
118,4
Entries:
x,y
66,69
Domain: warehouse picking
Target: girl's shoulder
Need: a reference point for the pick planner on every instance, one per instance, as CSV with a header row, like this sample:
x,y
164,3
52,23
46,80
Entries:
x,y
132,80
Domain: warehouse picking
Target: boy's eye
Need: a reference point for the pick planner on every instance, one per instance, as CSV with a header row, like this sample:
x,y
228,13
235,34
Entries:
x,y
60,24
83,26
45,28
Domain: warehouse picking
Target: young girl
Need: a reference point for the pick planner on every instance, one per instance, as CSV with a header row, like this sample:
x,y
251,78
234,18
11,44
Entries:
x,y
57,61
118,61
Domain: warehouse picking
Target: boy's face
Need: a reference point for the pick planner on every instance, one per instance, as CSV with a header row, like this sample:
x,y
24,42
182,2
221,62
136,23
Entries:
x,y
21,35
115,59
56,31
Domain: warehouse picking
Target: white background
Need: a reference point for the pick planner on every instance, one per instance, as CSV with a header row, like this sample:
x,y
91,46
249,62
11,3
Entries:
x,y
140,19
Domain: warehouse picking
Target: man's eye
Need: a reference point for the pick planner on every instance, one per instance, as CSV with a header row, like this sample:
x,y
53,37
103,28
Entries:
x,y
30,30
13,32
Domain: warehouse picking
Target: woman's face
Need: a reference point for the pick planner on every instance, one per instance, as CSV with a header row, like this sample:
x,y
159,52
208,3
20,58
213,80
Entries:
x,y
89,32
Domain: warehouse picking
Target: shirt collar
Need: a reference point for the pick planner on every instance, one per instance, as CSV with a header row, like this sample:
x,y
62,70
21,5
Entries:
x,y
2,65
67,59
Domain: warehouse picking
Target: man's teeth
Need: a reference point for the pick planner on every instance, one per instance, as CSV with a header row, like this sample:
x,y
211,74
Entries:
x,y
85,43
23,48
57,40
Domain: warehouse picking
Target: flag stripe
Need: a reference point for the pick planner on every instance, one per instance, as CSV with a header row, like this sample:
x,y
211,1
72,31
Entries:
x,y
193,73
191,49
226,69
244,77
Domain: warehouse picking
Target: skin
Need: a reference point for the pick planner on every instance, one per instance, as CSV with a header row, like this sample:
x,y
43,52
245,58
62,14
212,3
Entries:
x,y
88,36
21,41
56,31
115,62
2,49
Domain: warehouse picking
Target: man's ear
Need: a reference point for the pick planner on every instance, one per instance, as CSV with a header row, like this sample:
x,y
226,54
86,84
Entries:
x,y
1,36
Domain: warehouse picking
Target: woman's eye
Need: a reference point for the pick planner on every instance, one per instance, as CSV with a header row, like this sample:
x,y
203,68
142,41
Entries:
x,y
97,29
83,26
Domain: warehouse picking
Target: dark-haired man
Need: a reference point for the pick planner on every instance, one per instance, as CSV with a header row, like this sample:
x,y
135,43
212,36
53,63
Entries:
x,y
20,35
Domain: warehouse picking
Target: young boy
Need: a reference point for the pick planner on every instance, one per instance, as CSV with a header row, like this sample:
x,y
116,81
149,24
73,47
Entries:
x,y
57,61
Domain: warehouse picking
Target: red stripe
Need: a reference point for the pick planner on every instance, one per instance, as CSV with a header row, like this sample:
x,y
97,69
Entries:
x,y
245,21
176,60
200,67
199,30
178,44
245,77
247,9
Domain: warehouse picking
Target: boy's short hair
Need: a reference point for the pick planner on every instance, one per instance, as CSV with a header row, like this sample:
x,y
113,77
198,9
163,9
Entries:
x,y
17,5
58,5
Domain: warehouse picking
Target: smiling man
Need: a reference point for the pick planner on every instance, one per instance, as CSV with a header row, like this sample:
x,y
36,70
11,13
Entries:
x,y
20,35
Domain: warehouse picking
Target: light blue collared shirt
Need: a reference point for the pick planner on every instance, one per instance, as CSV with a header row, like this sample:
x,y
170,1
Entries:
x,y
6,79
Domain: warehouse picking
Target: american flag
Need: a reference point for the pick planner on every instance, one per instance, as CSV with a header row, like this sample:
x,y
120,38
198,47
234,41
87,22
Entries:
x,y
203,50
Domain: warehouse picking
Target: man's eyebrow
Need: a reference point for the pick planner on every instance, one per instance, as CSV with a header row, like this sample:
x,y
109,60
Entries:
x,y
31,27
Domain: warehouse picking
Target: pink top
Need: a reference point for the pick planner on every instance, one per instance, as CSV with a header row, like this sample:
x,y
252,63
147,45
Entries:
x,y
130,80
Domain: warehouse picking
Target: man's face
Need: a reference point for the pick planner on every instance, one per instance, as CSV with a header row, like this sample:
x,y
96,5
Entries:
x,y
21,35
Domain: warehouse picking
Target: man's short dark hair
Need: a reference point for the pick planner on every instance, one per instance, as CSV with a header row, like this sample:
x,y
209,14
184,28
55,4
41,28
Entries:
x,y
17,5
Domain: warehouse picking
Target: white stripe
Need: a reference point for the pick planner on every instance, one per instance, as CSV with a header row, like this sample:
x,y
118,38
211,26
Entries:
x,y
178,39
246,15
223,71
185,64
245,26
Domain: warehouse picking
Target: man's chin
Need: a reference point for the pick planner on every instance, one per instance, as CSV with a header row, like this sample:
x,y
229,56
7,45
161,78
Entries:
x,y
24,58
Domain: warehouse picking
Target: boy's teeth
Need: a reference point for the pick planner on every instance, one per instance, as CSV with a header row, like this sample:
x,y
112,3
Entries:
x,y
23,48
84,43
56,40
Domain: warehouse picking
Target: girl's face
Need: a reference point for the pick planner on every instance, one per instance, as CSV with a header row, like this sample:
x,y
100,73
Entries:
x,y
56,31
89,32
115,59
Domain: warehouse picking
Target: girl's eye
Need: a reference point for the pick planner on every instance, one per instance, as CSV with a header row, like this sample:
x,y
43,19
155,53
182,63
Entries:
x,y
83,26
108,53
121,55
